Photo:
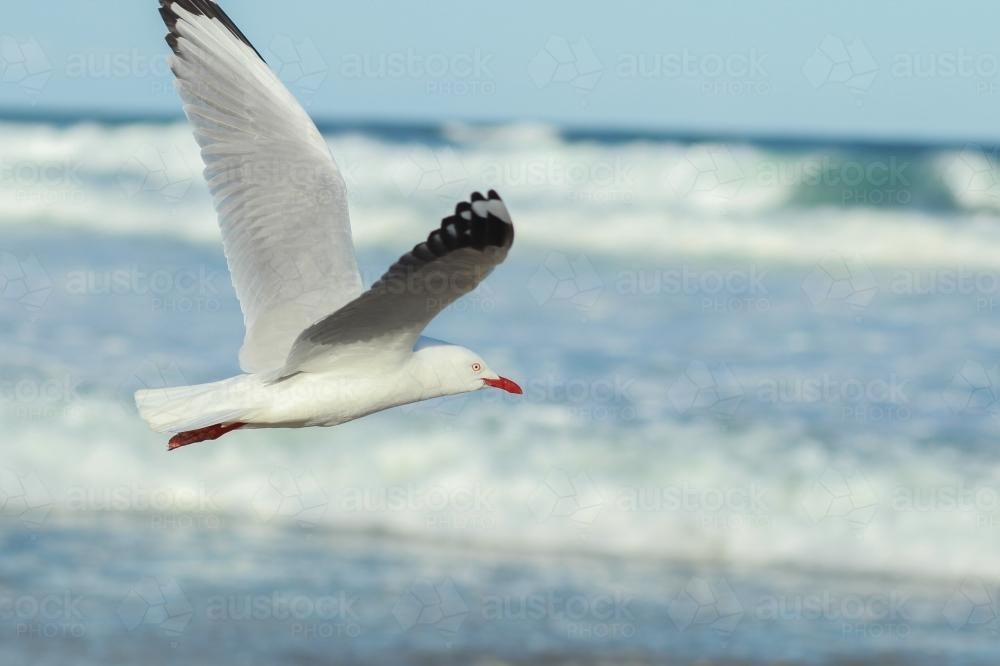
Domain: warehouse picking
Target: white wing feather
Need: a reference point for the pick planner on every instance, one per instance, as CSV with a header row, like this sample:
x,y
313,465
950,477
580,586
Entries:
x,y
281,200
453,260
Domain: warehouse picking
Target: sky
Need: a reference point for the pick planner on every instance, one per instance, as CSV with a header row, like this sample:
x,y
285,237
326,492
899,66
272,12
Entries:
x,y
857,69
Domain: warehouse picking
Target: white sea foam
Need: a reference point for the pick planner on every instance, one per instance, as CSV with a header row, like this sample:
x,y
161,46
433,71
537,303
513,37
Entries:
x,y
572,195
754,499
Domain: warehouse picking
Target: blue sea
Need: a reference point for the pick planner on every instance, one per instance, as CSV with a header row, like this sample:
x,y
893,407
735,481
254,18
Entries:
x,y
760,422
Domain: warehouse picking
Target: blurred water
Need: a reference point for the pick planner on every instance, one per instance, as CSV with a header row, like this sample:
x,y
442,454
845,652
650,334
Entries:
x,y
759,419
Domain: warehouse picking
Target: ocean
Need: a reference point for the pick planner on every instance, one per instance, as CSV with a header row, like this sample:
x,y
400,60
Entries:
x,y
759,426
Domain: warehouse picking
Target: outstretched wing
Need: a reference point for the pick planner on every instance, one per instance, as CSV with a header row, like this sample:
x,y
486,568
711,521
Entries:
x,y
281,199
452,261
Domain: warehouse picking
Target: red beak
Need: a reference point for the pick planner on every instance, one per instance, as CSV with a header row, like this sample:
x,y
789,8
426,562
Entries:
x,y
505,384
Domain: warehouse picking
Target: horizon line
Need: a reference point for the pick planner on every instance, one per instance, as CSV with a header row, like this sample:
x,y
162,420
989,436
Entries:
x,y
433,130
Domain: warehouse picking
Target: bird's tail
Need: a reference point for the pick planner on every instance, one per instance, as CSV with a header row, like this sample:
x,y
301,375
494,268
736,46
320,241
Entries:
x,y
180,409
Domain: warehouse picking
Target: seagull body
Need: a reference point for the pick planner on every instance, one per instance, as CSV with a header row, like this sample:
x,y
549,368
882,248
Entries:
x,y
319,350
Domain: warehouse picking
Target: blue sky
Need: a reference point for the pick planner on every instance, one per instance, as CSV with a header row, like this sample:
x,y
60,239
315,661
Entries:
x,y
846,68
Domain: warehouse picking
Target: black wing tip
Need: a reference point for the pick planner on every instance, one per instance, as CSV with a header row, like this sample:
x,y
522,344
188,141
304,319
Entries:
x,y
477,196
208,8
495,207
481,223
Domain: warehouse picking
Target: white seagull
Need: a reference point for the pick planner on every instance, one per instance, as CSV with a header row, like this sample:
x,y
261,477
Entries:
x,y
319,349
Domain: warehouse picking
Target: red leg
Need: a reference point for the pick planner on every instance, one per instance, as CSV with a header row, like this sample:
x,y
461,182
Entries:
x,y
202,434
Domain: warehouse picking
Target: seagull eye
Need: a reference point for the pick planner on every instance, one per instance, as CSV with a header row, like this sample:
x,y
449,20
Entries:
x,y
477,367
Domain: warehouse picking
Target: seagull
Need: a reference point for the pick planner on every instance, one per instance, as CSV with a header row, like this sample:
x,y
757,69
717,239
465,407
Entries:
x,y
319,349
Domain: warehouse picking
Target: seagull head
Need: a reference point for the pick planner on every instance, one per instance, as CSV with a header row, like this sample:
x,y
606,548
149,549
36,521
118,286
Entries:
x,y
473,373
447,369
